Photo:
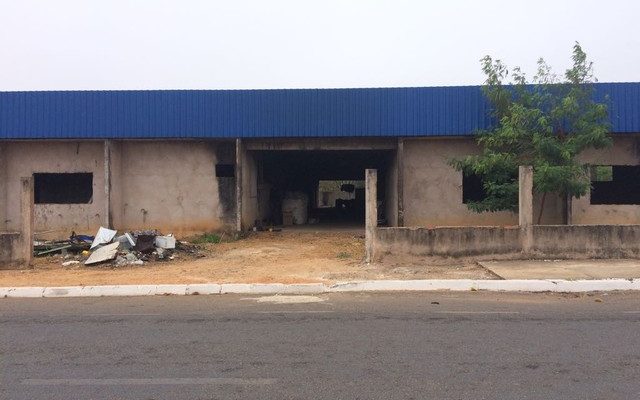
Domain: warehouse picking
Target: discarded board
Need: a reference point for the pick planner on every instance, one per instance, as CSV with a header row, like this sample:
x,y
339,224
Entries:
x,y
54,250
105,253
103,236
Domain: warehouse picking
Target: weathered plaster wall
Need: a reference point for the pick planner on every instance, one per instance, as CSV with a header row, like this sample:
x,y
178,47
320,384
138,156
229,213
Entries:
x,y
58,220
10,249
433,189
168,185
587,241
556,241
250,207
391,192
625,151
226,154
446,242
3,187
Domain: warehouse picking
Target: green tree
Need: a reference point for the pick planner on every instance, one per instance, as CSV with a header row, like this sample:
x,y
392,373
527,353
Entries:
x,y
546,123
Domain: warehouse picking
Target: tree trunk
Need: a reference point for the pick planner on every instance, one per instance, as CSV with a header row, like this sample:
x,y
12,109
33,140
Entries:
x,y
568,209
544,197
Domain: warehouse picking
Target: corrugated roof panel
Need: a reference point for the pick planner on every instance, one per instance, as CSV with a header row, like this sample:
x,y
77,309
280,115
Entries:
x,y
429,111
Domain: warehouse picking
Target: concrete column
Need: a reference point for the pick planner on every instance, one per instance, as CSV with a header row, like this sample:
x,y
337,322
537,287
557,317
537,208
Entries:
x,y
400,188
525,207
3,186
108,218
26,215
371,211
238,173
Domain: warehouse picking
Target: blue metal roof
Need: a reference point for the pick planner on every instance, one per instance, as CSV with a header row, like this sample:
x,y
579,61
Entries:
x,y
428,111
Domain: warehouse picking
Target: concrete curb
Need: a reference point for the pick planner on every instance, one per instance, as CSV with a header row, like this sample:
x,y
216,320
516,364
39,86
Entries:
x,y
537,285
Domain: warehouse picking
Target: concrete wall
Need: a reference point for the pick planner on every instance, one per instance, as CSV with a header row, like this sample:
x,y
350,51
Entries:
x,y
625,151
250,206
166,185
22,159
447,242
587,241
549,241
3,187
433,189
170,186
391,192
10,249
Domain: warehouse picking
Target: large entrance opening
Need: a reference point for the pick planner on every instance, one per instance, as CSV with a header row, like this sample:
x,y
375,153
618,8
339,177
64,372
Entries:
x,y
324,188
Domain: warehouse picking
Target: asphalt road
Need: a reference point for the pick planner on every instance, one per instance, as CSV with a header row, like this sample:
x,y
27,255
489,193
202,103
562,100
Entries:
x,y
356,346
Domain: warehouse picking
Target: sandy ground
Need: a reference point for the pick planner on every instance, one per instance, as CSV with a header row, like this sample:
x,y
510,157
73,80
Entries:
x,y
283,257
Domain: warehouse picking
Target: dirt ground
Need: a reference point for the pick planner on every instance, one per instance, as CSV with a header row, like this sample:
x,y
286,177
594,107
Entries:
x,y
263,257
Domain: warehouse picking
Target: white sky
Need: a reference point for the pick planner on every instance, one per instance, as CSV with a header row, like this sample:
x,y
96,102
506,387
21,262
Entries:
x,y
164,44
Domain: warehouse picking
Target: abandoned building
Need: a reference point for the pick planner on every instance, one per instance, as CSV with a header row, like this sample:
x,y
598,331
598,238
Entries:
x,y
187,161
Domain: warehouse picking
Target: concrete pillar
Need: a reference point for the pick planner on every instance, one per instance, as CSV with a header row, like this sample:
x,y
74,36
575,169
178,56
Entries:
x,y
238,172
525,207
3,186
400,187
26,215
108,217
371,211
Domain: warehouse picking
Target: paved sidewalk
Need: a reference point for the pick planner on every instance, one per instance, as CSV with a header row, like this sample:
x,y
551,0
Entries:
x,y
564,269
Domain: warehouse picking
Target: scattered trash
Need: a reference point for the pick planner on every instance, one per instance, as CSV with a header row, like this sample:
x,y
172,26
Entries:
x,y
127,240
165,242
53,250
103,236
160,253
145,243
105,253
107,247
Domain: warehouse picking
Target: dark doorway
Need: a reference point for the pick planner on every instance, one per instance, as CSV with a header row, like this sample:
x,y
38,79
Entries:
x,y
330,182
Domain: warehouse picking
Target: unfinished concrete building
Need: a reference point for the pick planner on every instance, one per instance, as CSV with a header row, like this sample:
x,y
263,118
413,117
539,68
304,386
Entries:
x,y
194,161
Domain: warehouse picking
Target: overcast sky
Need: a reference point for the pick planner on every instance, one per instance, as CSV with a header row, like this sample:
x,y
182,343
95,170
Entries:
x,y
157,44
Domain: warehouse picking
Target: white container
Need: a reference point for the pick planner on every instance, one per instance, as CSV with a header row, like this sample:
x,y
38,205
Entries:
x,y
296,204
165,242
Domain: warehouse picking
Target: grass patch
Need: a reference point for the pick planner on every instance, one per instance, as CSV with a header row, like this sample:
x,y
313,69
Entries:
x,y
343,255
207,238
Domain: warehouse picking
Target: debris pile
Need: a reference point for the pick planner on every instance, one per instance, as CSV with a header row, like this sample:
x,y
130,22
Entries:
x,y
129,248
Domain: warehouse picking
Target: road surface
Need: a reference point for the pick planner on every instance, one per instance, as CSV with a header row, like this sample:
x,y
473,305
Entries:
x,y
339,346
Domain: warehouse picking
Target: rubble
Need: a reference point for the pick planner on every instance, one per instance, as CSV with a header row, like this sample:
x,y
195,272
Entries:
x,y
104,253
103,236
165,242
108,247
